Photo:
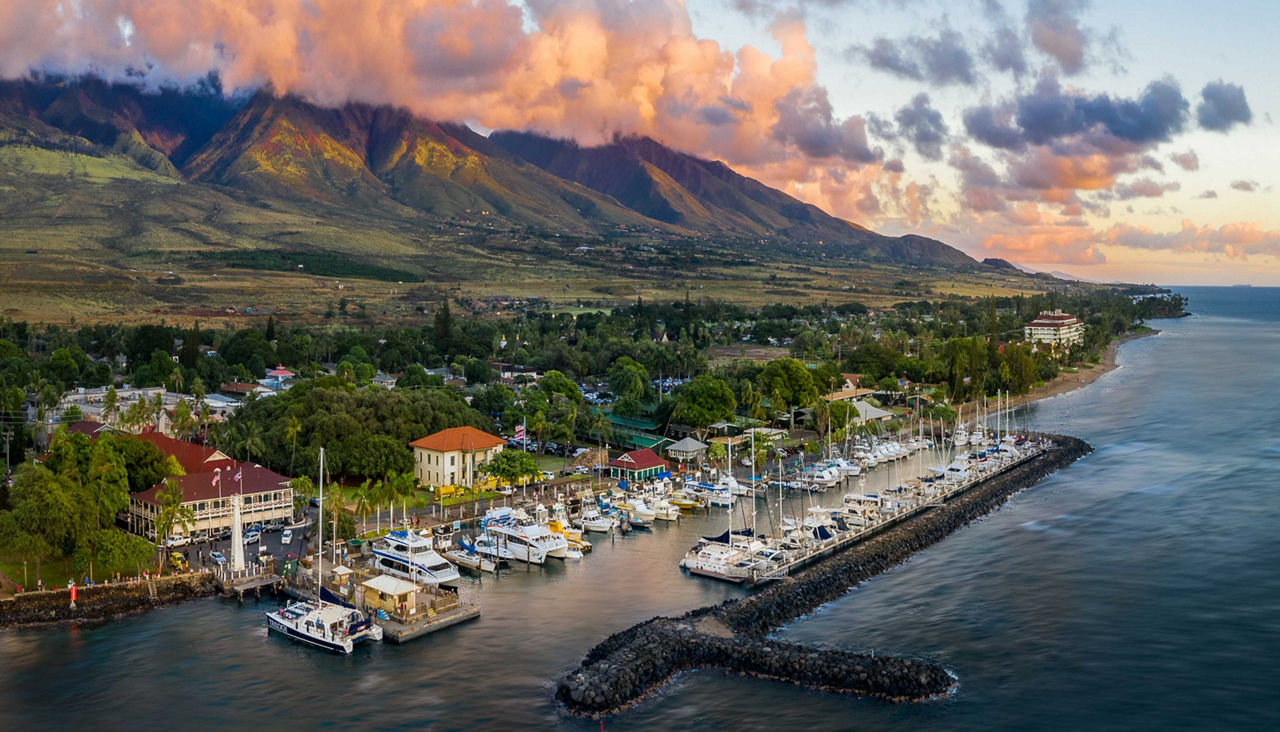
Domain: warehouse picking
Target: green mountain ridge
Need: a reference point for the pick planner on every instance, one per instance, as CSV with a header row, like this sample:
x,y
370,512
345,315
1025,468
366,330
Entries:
x,y
358,161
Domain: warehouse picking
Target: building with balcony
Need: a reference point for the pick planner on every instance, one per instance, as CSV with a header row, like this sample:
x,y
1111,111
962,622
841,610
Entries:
x,y
1055,328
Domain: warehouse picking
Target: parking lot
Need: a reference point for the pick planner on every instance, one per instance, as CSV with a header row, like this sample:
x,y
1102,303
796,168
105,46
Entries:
x,y
198,552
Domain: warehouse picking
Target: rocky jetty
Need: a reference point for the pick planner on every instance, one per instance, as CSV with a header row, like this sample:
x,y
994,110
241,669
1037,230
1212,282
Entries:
x,y
101,602
632,664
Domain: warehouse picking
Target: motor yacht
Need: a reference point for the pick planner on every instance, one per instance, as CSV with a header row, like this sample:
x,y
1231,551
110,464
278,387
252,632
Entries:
x,y
408,555
528,540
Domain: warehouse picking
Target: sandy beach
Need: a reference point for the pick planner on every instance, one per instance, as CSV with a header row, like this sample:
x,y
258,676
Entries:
x,y
1065,383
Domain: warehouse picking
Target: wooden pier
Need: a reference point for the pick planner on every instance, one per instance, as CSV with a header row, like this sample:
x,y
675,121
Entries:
x,y
395,631
253,580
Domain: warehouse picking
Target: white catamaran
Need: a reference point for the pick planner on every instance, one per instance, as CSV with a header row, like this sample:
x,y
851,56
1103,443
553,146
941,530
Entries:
x,y
324,625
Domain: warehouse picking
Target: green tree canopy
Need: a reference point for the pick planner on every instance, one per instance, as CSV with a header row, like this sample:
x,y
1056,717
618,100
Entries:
x,y
788,384
703,401
510,466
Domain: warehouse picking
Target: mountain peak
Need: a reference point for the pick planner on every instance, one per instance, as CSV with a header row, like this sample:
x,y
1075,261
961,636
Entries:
x,y
384,158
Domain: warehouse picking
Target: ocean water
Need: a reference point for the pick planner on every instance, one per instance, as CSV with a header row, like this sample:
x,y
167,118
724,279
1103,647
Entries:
x,y
1137,589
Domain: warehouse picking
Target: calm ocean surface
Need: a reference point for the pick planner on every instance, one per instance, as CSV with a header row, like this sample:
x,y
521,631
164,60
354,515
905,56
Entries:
x,y
1139,588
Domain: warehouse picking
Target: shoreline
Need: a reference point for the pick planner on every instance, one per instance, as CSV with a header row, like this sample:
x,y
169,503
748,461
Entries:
x,y
1067,383
736,635
100,604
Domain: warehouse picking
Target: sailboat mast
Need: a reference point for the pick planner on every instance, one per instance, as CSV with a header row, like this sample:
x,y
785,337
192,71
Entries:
x,y
320,538
751,478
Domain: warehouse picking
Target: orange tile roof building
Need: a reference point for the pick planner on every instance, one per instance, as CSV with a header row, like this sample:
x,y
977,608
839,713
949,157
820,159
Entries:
x,y
453,456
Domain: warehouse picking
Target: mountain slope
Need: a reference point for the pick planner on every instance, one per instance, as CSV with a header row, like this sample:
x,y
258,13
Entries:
x,y
359,160
678,188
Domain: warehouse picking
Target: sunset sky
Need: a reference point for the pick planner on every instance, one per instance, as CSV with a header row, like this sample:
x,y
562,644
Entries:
x,y
1115,141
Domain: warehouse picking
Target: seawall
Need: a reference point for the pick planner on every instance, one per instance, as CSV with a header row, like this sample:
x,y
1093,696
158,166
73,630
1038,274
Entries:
x,y
101,602
634,663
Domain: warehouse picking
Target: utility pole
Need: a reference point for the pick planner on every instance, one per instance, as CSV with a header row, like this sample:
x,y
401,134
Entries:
x,y
8,436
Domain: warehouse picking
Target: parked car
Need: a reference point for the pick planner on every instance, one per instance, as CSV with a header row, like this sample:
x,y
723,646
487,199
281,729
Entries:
x,y
178,560
217,558
224,535
581,470
252,536
287,537
178,540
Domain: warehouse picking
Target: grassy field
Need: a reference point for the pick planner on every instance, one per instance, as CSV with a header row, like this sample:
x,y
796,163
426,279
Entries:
x,y
86,239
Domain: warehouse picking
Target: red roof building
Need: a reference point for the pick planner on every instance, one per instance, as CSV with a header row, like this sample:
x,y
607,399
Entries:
x,y
210,481
193,458
89,428
637,465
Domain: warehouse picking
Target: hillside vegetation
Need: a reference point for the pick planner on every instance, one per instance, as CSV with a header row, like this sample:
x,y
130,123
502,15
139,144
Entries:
x,y
118,203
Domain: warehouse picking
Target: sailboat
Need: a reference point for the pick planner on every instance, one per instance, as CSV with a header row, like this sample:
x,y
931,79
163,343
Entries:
x,y
324,625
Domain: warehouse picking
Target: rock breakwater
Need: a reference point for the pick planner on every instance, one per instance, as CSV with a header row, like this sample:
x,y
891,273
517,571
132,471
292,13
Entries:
x,y
632,664
101,602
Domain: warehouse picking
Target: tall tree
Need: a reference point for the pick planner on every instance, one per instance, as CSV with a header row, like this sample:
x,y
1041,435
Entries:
x,y
110,405
703,401
172,515
787,381
443,328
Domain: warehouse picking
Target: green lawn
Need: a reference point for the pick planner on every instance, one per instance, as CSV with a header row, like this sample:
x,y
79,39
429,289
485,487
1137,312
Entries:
x,y
55,572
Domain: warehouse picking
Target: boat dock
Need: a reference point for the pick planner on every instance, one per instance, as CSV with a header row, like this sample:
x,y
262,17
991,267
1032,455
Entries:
x,y
844,541
253,579
400,630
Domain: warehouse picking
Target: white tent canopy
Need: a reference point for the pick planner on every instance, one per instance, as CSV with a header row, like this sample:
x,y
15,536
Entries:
x,y
686,449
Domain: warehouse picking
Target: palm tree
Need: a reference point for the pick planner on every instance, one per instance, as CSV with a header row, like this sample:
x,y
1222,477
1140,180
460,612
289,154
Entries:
x,y
110,405
197,390
173,514
402,486
205,418
155,409
373,495
537,426
292,427
363,504
135,415
176,378
183,421
602,428
253,443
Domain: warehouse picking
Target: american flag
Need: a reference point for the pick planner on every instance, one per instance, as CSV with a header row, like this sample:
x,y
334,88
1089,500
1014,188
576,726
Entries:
x,y
520,432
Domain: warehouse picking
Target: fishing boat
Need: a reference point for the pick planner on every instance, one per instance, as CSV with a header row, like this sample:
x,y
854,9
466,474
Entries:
x,y
664,510
527,540
686,500
471,559
638,513
320,624
406,554
557,522
593,519
573,537
490,546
